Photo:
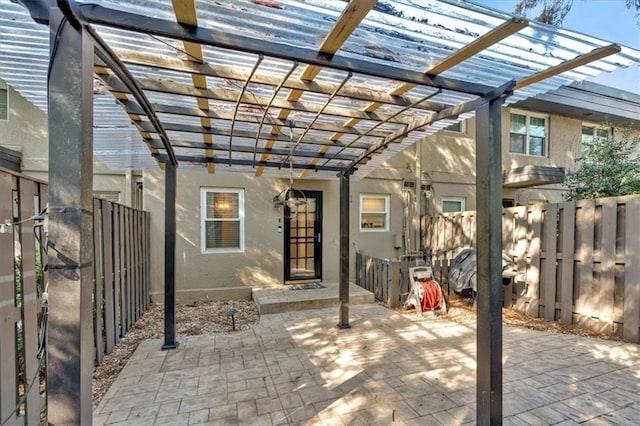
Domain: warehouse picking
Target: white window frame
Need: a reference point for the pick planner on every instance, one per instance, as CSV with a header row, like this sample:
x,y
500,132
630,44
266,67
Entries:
x,y
387,202
461,200
528,115
463,128
594,127
204,220
113,196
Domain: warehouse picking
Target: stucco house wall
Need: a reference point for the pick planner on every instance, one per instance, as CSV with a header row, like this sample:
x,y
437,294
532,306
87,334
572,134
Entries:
x,y
26,131
201,275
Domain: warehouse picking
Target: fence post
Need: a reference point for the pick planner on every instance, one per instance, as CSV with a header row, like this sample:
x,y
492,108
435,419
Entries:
x,y
631,315
394,289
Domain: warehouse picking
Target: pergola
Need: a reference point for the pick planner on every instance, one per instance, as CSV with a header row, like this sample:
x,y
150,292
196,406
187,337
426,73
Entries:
x,y
327,89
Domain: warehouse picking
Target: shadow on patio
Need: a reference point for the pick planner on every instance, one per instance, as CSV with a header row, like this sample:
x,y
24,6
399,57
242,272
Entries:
x,y
298,368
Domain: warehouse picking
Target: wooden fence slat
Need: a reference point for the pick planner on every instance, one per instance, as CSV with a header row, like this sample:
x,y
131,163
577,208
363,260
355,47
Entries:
x,y
534,221
134,265
139,263
519,253
147,254
117,268
585,241
631,314
98,282
508,235
568,226
608,262
394,296
109,289
9,314
128,262
550,248
124,289
30,303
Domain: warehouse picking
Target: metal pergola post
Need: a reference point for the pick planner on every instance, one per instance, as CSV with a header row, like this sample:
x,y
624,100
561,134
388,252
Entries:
x,y
70,334
343,321
170,257
489,272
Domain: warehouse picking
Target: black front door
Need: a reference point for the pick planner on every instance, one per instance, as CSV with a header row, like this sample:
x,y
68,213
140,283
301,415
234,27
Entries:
x,y
303,237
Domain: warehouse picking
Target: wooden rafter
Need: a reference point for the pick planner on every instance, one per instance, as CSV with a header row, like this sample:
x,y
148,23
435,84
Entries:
x,y
481,43
578,61
351,16
185,11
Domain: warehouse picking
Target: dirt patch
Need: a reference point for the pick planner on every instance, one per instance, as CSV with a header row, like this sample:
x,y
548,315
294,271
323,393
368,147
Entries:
x,y
462,311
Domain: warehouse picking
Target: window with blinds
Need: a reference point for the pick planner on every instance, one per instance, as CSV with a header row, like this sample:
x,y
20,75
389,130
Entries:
x,y
222,220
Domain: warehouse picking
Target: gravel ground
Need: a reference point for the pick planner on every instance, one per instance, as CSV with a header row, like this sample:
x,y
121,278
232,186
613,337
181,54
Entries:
x,y
212,317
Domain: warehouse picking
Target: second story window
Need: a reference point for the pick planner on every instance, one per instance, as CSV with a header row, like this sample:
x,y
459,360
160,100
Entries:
x,y
528,134
592,133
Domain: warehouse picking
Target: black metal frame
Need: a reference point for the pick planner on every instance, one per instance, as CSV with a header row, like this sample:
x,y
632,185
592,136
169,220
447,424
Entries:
x,y
71,167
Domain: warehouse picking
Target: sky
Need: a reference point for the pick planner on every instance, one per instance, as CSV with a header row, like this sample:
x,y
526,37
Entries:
x,y
606,19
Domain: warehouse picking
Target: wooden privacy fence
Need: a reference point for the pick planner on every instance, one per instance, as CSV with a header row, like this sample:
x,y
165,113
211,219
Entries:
x,y
387,279
121,268
581,260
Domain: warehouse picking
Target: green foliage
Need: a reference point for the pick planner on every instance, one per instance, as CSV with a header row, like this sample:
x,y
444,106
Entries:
x,y
609,167
553,12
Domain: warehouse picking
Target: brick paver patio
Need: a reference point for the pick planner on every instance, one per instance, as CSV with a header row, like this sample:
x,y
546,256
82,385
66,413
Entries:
x,y
298,368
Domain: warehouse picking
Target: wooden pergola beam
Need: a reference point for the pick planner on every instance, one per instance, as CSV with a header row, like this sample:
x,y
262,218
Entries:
x,y
483,42
348,21
578,61
185,11
502,31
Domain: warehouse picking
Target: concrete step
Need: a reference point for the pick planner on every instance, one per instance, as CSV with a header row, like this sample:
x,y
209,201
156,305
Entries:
x,y
284,299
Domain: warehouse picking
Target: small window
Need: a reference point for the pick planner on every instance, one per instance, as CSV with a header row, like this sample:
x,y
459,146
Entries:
x,y
113,196
508,202
222,220
528,134
453,205
374,213
592,133
4,101
458,127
